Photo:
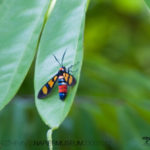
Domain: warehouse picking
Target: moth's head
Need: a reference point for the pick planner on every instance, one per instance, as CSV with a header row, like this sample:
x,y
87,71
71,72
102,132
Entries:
x,y
62,69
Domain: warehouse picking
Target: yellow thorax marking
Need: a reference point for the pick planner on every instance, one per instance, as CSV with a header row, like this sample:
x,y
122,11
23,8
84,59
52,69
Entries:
x,y
55,78
70,80
64,74
51,83
44,89
66,77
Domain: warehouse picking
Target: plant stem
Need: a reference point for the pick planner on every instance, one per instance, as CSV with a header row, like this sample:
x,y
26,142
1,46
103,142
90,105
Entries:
x,y
49,138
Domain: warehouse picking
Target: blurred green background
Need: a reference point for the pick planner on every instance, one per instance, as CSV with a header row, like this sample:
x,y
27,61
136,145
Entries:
x,y
112,107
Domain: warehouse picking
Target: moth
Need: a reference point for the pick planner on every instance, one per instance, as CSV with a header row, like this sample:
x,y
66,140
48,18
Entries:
x,y
64,79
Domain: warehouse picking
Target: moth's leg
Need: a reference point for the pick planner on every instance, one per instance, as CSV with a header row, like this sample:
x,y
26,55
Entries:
x,y
70,67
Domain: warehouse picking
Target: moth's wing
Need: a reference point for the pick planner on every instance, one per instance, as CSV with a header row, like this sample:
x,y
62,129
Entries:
x,y
46,89
70,80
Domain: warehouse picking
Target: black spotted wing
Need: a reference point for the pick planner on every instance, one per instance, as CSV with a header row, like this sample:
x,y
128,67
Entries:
x,y
70,80
46,89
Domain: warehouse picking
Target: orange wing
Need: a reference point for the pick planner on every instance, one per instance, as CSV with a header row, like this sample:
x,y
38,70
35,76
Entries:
x,y
46,89
70,80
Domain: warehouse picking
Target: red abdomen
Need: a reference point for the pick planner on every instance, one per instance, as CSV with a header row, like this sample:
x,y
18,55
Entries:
x,y
62,87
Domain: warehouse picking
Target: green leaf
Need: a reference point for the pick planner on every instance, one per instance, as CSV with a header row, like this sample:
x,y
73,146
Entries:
x,y
20,26
147,2
130,136
64,30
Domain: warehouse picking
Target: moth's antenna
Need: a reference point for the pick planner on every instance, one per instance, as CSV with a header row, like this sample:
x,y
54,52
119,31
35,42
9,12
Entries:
x,y
56,59
63,57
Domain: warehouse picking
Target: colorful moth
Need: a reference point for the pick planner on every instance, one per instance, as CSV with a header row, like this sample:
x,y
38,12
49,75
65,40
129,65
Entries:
x,y
64,79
